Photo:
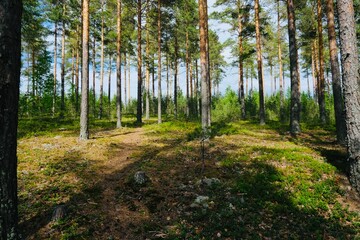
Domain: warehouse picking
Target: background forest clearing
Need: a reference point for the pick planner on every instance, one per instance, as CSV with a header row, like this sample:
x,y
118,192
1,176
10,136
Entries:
x,y
270,185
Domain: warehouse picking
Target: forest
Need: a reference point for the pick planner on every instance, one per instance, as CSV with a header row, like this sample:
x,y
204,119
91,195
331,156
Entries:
x,y
179,119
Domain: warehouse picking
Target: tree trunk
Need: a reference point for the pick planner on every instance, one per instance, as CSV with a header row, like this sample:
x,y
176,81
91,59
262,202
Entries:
x,y
241,63
321,65
187,72
159,61
94,75
10,52
118,67
55,69
125,81
313,73
62,106
316,64
129,78
109,87
72,74
351,85
147,74
204,64
197,87
335,72
176,75
101,63
281,80
294,72
77,77
259,64
139,62
84,115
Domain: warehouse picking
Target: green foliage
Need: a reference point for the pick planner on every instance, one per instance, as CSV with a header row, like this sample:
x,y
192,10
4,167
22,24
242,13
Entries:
x,y
252,105
226,108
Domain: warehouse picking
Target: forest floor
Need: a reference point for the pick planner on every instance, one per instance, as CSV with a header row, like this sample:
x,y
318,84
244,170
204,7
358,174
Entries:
x,y
245,182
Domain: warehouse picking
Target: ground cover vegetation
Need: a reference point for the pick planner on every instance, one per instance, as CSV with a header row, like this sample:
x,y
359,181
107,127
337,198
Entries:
x,y
274,156
267,184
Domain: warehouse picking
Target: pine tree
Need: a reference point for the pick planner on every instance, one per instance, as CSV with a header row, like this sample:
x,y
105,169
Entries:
x,y
351,85
10,52
294,71
84,116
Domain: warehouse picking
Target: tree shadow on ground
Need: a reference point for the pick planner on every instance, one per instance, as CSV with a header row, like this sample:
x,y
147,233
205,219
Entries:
x,y
252,200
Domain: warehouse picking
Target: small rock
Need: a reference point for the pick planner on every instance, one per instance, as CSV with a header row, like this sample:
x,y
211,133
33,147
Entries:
x,y
58,213
201,201
141,178
57,137
208,181
231,206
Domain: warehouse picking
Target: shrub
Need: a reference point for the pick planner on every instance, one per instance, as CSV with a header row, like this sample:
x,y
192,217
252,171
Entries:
x,y
226,108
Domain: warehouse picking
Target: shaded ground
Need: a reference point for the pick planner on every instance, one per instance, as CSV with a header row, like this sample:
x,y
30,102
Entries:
x,y
270,186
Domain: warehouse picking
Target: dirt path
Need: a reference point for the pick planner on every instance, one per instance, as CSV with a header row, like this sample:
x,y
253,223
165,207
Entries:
x,y
115,173
127,146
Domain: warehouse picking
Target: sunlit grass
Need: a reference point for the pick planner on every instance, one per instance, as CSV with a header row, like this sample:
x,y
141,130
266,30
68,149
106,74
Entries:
x,y
271,185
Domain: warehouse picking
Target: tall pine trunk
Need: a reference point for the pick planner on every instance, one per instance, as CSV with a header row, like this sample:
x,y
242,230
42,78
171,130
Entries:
x,y
351,85
77,79
139,63
204,65
159,61
55,68
10,52
62,106
84,114
109,87
118,66
259,64
147,74
241,63
335,72
321,65
187,72
101,63
176,75
294,72
94,75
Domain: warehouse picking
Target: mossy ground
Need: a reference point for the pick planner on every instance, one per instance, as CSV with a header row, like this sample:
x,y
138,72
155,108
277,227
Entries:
x,y
272,186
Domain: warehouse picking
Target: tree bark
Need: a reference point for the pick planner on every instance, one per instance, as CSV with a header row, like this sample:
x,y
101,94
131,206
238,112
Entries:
x,y
159,61
187,72
259,64
125,81
10,54
118,66
77,78
176,74
321,65
101,62
294,72
129,78
241,63
84,114
147,74
351,85
139,63
109,87
94,75
335,72
204,65
55,68
62,106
